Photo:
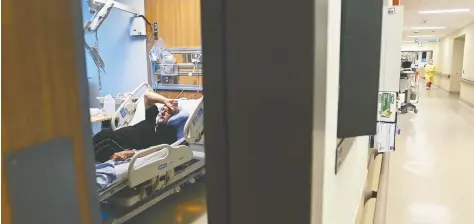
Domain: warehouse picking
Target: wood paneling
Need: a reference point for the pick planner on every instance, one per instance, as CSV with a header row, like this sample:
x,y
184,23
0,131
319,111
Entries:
x,y
180,94
190,80
40,95
185,80
179,21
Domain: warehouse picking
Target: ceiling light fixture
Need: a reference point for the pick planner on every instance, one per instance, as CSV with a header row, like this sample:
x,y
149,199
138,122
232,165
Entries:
x,y
429,28
420,36
444,11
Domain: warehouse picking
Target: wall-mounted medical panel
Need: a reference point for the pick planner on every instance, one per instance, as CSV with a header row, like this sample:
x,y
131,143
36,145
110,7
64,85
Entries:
x,y
391,46
361,28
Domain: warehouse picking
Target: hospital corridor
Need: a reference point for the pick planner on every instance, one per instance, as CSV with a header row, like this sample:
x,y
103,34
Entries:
x,y
237,112
430,178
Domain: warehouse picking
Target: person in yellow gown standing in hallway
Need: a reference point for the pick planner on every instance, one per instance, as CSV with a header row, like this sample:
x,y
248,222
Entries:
x,y
430,71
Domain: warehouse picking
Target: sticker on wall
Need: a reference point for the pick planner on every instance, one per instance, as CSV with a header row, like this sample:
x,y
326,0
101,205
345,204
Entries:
x,y
385,138
387,107
391,11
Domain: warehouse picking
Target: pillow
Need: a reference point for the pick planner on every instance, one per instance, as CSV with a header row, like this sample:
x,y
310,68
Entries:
x,y
181,117
179,121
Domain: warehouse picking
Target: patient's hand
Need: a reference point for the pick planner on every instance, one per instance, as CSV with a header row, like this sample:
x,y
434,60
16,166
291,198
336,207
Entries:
x,y
123,155
172,104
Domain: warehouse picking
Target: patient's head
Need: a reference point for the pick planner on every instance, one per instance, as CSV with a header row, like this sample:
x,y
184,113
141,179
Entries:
x,y
166,113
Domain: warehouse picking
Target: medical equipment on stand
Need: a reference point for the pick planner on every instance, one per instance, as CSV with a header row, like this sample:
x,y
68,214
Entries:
x,y
101,9
409,88
166,69
130,187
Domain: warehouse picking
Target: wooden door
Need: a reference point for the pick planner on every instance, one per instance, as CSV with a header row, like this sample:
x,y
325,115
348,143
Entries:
x,y
44,100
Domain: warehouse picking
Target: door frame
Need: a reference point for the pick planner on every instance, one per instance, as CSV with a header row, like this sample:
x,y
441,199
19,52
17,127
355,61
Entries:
x,y
262,168
455,79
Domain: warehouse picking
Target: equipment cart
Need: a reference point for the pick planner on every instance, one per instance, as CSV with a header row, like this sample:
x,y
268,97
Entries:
x,y
409,91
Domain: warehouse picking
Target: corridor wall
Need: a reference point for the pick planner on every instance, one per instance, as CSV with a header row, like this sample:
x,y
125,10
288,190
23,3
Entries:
x,y
444,60
341,191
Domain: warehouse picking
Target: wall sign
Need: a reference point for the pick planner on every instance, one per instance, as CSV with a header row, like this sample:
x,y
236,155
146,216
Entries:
x,y
391,11
385,138
387,107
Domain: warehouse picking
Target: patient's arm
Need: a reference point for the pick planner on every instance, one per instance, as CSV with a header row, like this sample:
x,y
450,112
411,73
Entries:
x,y
152,98
123,155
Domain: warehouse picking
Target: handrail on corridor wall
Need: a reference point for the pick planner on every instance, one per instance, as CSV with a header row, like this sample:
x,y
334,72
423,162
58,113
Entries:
x,y
469,81
381,205
443,75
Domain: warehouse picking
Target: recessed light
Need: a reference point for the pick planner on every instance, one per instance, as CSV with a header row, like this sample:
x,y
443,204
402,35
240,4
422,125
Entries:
x,y
422,36
429,28
421,41
443,11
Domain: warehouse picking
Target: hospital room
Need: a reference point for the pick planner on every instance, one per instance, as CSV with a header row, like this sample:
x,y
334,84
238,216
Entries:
x,y
140,69
317,112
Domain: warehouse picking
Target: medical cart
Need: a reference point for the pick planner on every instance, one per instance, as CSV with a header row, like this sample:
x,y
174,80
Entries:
x,y
409,89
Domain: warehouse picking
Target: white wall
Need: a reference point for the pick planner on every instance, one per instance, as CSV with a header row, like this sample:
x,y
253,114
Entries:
x,y
445,55
442,82
341,192
392,26
124,56
414,47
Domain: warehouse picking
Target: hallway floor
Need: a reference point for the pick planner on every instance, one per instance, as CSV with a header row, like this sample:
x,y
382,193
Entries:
x,y
431,179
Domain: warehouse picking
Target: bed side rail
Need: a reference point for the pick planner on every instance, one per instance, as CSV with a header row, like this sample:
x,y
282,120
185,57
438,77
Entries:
x,y
159,160
194,127
125,113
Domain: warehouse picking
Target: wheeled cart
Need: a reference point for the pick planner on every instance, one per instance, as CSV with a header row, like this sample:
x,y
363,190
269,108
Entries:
x,y
409,91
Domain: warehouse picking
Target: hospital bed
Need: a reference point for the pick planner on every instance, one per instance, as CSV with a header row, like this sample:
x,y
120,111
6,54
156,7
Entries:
x,y
127,188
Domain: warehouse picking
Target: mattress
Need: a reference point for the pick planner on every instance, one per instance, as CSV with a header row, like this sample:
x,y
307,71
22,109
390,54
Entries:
x,y
117,171
120,169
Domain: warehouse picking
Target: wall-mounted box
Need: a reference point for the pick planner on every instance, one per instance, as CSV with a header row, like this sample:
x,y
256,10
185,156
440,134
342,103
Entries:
x,y
137,26
361,31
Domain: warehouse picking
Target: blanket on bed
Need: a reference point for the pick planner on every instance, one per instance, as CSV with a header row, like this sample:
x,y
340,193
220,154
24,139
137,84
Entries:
x,y
105,174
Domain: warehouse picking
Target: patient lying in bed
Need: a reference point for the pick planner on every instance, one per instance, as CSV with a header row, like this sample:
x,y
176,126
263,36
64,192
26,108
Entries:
x,y
161,126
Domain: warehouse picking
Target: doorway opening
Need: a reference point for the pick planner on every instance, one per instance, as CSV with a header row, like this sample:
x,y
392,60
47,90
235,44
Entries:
x,y
457,65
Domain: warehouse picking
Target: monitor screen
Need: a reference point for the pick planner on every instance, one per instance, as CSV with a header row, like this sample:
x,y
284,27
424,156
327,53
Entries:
x,y
406,64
